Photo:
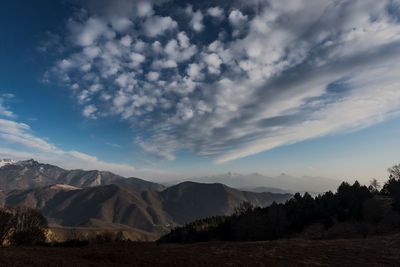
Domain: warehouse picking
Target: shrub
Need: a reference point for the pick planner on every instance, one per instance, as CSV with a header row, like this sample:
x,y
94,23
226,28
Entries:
x,y
22,225
5,225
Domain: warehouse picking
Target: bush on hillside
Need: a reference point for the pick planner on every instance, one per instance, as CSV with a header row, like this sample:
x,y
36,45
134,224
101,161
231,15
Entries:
x,y
22,225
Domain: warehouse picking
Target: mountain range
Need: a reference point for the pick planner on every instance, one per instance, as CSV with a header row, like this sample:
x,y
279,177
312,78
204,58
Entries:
x,y
32,174
101,199
257,182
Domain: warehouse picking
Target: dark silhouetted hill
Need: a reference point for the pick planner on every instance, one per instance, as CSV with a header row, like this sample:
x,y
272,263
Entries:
x,y
189,201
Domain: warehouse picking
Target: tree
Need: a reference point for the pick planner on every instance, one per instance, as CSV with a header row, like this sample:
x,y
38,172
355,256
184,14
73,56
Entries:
x,y
243,208
392,186
394,172
373,210
374,186
5,225
22,225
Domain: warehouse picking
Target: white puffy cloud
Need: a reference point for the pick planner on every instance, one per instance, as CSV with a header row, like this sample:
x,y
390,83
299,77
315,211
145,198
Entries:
x,y
121,24
95,88
91,30
158,25
197,21
231,97
136,57
164,64
215,12
65,64
184,41
236,18
126,40
214,62
194,71
181,51
84,96
153,76
89,111
144,9
196,18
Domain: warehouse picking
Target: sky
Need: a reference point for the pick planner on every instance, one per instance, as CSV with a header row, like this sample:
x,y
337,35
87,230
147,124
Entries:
x,y
168,90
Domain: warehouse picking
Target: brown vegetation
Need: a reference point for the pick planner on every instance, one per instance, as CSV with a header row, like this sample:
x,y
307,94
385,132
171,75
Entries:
x,y
374,251
22,225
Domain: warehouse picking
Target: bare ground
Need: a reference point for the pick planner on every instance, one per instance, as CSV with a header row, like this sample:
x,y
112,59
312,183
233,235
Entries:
x,y
372,251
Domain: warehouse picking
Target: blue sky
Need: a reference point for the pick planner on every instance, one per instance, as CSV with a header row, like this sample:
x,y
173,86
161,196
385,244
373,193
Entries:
x,y
166,90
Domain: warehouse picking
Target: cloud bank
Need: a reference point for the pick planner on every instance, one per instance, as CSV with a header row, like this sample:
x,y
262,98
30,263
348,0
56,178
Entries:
x,y
229,82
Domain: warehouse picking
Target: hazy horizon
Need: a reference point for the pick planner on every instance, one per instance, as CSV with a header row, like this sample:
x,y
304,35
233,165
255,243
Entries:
x,y
169,90
278,183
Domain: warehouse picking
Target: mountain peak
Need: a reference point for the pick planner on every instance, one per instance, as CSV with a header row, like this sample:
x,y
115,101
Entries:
x,y
29,173
29,162
4,162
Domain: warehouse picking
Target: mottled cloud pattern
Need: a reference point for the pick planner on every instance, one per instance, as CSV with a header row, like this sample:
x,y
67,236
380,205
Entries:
x,y
226,82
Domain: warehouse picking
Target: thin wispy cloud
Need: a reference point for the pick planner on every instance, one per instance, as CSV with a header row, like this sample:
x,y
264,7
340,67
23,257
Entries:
x,y
39,148
227,83
4,110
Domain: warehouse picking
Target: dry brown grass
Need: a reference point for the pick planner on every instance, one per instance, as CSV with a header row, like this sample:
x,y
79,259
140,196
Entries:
x,y
372,251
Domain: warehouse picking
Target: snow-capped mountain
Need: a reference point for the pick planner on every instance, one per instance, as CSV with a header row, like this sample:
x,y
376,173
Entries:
x,y
28,174
4,162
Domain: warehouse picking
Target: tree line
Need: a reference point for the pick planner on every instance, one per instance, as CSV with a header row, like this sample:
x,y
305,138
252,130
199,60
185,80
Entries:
x,y
354,202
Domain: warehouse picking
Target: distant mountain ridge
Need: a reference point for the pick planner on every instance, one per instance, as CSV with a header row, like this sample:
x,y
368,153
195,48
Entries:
x,y
28,174
151,211
101,199
283,182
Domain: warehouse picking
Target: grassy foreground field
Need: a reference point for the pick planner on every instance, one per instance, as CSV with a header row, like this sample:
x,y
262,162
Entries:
x,y
372,251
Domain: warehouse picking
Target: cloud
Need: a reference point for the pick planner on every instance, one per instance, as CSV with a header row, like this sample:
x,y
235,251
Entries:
x,y
370,101
121,24
166,64
4,111
214,62
90,31
42,150
158,25
16,132
90,111
196,21
153,76
82,156
215,12
136,57
77,160
236,18
112,144
91,51
8,95
144,9
290,71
